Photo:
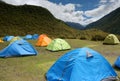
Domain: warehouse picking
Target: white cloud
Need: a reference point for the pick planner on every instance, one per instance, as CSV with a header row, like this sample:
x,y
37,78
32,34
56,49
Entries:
x,y
103,1
78,5
112,0
68,13
96,12
102,10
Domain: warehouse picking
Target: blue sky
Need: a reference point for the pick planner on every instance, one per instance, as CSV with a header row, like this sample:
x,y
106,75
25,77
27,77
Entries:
x,y
84,4
78,11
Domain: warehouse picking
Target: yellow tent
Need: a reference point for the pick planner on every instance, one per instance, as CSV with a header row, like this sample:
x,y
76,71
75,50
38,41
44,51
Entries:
x,y
14,39
111,39
43,40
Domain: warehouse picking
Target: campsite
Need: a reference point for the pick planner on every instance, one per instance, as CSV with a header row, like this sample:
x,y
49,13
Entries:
x,y
33,68
59,40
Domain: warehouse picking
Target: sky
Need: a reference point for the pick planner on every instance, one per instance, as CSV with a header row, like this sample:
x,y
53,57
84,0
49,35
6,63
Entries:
x,y
83,12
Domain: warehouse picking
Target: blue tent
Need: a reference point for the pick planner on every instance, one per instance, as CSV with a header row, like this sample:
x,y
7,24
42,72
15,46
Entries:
x,y
27,37
82,64
117,62
7,38
18,48
35,36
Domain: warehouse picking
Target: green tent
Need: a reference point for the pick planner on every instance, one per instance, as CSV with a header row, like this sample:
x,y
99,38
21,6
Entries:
x,y
111,39
14,39
58,44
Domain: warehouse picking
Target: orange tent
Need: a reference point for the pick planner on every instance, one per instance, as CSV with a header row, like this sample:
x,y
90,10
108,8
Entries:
x,y
1,41
43,40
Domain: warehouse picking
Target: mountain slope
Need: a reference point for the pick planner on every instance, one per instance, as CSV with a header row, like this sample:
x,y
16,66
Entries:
x,y
109,23
27,19
75,25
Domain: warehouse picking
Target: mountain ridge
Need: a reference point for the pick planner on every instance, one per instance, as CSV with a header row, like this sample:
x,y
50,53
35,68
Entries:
x,y
75,25
109,23
29,19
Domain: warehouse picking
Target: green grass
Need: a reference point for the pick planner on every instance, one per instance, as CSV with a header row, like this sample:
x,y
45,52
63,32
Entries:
x,y
33,68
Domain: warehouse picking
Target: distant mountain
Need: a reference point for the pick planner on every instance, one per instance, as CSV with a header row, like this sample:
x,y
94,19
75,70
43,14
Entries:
x,y
28,19
75,25
109,23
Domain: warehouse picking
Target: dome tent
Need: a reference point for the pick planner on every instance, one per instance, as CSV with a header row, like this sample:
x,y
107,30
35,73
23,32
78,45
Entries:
x,y
18,48
7,38
58,44
111,39
82,64
43,40
28,37
15,38
35,36
117,62
1,41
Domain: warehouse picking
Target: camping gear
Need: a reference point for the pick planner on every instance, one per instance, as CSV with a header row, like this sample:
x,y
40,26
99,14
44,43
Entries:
x,y
43,40
1,41
58,44
117,62
18,48
15,38
35,36
111,39
28,37
77,66
7,38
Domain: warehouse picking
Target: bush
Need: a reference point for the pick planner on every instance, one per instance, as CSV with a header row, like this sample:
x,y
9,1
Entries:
x,y
98,38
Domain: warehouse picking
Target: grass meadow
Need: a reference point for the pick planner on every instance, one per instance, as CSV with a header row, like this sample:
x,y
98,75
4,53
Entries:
x,y
33,68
